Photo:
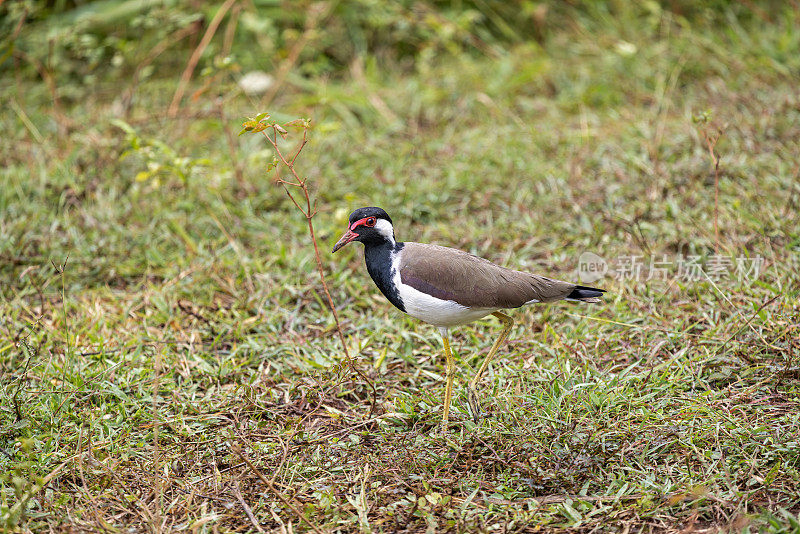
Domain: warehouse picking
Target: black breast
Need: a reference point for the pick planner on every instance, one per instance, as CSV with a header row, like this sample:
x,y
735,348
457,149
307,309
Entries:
x,y
379,267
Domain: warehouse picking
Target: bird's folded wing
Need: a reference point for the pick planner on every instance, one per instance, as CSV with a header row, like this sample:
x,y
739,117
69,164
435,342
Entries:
x,y
452,274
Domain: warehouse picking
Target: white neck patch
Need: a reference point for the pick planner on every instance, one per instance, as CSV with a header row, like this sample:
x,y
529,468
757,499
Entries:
x,y
386,229
432,310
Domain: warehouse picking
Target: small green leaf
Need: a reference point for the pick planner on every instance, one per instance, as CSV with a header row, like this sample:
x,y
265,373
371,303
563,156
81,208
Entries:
x,y
124,126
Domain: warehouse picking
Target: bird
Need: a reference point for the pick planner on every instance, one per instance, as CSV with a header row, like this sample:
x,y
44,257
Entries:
x,y
447,287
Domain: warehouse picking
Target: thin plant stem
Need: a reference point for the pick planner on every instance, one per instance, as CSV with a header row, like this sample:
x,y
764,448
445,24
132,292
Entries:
x,y
309,215
308,209
711,144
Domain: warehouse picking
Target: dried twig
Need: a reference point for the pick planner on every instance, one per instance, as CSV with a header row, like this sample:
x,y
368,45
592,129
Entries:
x,y
261,124
309,213
711,140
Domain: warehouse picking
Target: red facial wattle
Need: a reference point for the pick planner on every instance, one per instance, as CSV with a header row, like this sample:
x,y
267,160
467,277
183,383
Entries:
x,y
350,234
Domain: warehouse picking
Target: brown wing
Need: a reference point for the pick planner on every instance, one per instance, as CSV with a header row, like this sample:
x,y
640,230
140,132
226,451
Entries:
x,y
452,274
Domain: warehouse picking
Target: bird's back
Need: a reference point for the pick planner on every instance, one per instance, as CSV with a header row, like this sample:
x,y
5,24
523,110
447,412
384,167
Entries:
x,y
452,274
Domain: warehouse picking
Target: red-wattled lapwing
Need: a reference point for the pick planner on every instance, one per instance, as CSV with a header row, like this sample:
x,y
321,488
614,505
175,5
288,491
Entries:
x,y
447,287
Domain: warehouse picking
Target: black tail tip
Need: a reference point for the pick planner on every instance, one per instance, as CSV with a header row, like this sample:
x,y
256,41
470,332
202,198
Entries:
x,y
585,292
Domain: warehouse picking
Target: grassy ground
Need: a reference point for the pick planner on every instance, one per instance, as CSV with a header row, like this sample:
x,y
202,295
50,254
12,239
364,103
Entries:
x,y
167,361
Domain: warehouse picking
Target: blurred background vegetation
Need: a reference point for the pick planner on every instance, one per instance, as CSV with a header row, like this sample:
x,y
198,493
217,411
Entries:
x,y
87,49
149,91
153,276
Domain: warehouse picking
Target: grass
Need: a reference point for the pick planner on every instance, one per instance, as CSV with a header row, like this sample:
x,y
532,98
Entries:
x,y
168,362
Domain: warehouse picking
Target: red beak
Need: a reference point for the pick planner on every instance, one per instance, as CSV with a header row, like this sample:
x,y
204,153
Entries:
x,y
348,236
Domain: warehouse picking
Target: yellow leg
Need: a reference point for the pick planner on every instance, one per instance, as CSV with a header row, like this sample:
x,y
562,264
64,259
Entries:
x,y
508,322
449,372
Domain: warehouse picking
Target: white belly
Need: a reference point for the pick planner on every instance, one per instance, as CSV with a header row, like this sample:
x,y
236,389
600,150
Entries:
x,y
435,311
441,312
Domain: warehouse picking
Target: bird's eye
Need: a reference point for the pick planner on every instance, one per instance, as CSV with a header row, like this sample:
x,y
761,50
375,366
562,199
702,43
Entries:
x,y
370,222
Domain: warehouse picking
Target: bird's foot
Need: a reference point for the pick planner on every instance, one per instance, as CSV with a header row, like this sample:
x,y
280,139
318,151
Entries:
x,y
443,427
474,405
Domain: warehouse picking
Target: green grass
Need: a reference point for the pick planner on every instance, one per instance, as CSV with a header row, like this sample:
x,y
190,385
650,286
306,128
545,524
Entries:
x,y
188,325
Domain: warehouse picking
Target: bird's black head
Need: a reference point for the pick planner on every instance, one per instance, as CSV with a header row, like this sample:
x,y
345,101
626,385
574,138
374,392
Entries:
x,y
371,226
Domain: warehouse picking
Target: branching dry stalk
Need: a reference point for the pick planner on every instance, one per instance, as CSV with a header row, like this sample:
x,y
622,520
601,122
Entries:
x,y
711,140
308,212
261,124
